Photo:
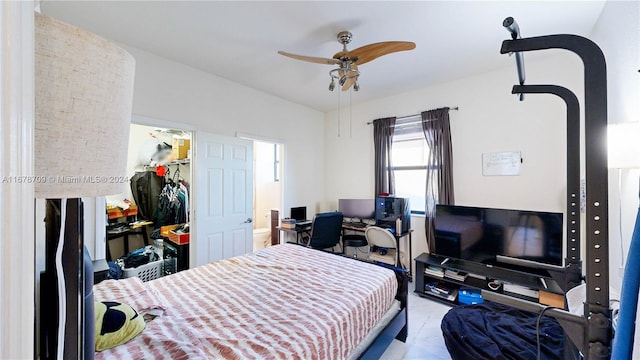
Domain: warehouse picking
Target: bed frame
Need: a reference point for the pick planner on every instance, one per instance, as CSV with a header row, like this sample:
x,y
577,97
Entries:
x,y
397,327
592,333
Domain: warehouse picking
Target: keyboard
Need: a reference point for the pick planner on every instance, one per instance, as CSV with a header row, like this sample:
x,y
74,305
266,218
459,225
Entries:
x,y
358,225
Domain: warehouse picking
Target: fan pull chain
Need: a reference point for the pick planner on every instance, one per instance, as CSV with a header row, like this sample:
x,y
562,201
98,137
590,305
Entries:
x,y
350,110
339,114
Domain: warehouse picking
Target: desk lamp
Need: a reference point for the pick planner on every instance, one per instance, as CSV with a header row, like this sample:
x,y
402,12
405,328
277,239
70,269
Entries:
x,y
83,101
624,153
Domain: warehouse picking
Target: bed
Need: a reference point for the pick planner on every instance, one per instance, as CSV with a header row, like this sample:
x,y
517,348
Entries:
x,y
285,301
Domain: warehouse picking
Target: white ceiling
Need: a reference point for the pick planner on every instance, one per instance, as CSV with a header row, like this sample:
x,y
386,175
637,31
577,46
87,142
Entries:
x,y
238,40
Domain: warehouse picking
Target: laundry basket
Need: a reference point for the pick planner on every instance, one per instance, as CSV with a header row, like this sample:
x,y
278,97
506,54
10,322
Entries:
x,y
146,272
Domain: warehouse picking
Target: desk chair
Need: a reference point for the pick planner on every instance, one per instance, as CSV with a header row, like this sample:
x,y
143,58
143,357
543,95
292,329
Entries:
x,y
325,231
382,238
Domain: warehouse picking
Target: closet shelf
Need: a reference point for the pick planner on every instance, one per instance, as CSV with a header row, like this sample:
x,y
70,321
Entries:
x,y
180,162
174,162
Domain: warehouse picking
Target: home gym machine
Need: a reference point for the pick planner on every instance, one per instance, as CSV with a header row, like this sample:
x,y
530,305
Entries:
x,y
591,333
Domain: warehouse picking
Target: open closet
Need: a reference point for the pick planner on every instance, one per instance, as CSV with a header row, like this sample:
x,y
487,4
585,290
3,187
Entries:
x,y
155,208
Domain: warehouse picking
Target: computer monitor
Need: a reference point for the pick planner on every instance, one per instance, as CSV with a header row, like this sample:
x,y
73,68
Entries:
x,y
357,208
299,213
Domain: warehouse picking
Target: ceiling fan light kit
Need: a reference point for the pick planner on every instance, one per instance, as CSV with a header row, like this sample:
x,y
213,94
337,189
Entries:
x,y
347,72
346,76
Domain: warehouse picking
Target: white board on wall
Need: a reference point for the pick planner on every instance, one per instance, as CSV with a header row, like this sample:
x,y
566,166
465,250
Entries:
x,y
506,163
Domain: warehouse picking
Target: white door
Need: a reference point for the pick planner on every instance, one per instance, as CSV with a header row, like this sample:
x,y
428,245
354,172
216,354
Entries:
x,y
223,198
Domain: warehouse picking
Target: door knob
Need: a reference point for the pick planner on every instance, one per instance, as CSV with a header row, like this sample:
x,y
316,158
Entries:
x,y
248,221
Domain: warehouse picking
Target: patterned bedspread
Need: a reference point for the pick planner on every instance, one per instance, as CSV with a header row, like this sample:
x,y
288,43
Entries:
x,y
283,302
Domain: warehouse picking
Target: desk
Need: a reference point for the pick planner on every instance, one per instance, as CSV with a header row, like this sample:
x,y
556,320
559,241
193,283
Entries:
x,y
118,212
347,226
298,231
181,254
410,259
125,232
125,218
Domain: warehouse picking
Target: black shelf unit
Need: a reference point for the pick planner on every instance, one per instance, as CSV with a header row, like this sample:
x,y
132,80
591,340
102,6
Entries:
x,y
485,274
181,253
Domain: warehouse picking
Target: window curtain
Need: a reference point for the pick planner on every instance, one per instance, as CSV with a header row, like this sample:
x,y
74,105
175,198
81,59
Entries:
x,y
439,185
382,140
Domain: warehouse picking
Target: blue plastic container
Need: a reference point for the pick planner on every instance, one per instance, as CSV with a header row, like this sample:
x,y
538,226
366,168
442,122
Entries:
x,y
469,296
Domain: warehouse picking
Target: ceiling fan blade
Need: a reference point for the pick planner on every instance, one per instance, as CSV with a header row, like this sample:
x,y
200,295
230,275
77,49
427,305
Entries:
x,y
310,58
372,51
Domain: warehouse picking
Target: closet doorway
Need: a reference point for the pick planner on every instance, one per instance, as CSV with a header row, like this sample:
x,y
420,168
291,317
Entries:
x,y
156,201
267,191
267,195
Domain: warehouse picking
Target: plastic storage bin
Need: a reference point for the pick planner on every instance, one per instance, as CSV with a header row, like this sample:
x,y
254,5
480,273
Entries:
x,y
146,272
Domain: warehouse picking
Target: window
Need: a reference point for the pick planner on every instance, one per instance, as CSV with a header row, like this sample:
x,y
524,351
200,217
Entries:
x,y
409,156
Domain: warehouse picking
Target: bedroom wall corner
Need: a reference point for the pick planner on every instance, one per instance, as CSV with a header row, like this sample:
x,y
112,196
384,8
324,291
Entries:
x,y
622,54
17,242
175,92
490,119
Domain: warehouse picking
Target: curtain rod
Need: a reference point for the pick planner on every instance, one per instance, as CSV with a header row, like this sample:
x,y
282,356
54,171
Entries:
x,y
410,116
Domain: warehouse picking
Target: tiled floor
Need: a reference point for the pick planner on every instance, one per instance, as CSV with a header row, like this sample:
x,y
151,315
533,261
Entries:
x,y
425,337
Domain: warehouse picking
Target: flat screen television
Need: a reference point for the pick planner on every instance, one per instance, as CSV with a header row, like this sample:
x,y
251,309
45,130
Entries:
x,y
531,239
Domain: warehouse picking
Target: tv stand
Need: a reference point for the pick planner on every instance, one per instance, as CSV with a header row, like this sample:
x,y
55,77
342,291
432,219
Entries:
x,y
443,287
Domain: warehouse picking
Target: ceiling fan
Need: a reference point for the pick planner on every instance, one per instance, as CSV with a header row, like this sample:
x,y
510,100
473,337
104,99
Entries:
x,y
347,71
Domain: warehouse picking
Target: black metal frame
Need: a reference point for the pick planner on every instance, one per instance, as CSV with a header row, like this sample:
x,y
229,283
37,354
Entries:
x,y
592,333
78,278
571,275
573,263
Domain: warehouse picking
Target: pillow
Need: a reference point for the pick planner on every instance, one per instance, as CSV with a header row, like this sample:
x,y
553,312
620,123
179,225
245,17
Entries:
x,y
115,324
131,291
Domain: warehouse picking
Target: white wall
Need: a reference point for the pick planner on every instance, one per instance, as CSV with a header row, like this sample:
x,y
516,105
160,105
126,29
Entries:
x,y
177,93
490,119
617,32
622,53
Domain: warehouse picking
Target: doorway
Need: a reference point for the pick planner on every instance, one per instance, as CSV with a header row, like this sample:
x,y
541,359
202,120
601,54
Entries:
x,y
267,191
156,199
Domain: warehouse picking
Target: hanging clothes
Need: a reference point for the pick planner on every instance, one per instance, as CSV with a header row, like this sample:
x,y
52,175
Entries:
x,y
184,189
146,188
168,206
173,206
